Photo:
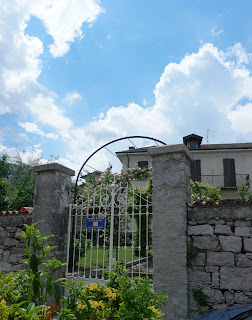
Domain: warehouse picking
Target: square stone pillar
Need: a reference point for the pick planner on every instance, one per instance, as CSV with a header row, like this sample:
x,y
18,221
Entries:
x,y
171,192
51,205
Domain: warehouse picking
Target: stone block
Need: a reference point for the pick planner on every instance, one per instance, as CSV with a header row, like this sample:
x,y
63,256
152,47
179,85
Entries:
x,y
229,298
242,231
212,269
199,260
213,295
243,261
221,259
6,256
242,223
10,242
216,279
223,230
5,266
215,222
236,278
241,298
220,306
231,243
199,277
247,243
13,258
206,242
17,267
204,229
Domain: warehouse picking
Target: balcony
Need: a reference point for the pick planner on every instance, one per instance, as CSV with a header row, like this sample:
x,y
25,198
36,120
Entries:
x,y
225,181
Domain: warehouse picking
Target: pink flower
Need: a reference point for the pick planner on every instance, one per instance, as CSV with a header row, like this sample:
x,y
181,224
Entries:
x,y
150,168
99,180
122,171
133,170
134,179
193,196
198,199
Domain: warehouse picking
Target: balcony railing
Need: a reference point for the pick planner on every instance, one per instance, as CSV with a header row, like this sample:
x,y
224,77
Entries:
x,y
225,181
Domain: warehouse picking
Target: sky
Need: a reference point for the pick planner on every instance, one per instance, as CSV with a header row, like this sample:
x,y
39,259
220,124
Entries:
x,y
76,74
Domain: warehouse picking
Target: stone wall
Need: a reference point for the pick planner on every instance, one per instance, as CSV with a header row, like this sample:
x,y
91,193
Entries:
x,y
219,256
12,245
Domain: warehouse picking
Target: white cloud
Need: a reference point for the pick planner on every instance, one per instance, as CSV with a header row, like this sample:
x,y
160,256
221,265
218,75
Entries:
x,y
197,94
63,20
33,128
71,97
20,62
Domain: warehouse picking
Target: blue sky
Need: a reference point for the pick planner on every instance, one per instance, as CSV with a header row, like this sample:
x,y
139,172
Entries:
x,y
77,74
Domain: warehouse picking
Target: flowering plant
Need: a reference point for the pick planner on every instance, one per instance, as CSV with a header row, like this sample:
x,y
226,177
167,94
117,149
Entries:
x,y
203,192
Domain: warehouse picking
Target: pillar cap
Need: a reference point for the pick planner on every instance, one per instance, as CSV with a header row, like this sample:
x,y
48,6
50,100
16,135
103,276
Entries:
x,y
53,167
173,148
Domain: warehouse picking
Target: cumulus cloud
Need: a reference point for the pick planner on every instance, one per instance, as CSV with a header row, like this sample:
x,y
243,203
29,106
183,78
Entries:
x,y
199,93
33,128
63,20
71,97
20,55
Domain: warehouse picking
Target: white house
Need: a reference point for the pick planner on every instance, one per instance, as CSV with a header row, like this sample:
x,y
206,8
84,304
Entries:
x,y
225,165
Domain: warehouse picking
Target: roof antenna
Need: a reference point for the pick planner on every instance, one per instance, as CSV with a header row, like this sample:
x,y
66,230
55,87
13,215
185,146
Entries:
x,y
207,135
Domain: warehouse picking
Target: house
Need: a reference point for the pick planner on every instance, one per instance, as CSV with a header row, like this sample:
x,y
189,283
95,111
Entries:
x,y
225,165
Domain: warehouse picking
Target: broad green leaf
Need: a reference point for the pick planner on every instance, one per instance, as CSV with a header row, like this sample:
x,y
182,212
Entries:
x,y
57,292
35,286
34,263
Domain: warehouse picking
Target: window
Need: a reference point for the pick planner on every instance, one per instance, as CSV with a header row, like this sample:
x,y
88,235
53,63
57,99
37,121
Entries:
x,y
229,172
143,164
193,145
196,170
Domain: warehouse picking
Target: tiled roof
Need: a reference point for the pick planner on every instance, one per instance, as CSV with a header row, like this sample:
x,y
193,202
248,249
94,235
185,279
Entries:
x,y
15,213
135,150
224,146
219,146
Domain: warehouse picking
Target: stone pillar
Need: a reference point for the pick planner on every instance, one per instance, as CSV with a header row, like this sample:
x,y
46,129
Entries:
x,y
171,192
51,203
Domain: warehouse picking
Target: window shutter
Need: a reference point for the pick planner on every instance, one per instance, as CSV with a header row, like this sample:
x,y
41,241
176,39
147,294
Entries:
x,y
143,164
229,172
195,167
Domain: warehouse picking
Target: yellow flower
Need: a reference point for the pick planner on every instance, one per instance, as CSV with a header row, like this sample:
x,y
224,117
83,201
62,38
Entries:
x,y
158,314
3,314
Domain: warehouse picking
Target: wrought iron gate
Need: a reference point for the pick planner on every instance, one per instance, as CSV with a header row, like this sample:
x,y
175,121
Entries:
x,y
110,223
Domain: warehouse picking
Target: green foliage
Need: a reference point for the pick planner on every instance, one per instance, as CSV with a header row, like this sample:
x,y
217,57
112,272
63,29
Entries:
x,y
21,181
121,298
200,297
243,191
202,191
4,170
143,221
25,292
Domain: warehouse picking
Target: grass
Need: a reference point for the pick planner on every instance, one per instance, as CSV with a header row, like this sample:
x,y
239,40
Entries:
x,y
106,257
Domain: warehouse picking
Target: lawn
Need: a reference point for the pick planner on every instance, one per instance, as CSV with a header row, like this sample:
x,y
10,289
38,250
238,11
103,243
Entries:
x,y
105,252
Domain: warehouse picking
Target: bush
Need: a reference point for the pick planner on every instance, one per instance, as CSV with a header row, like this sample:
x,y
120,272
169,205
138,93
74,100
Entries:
x,y
24,294
243,191
202,191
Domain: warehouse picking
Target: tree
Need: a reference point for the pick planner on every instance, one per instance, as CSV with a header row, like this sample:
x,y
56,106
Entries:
x,y
21,181
4,170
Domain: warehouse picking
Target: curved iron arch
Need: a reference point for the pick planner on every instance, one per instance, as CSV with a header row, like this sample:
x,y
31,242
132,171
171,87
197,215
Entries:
x,y
106,144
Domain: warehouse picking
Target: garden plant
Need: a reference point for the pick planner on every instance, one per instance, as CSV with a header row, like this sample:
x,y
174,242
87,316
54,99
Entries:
x,y
34,294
